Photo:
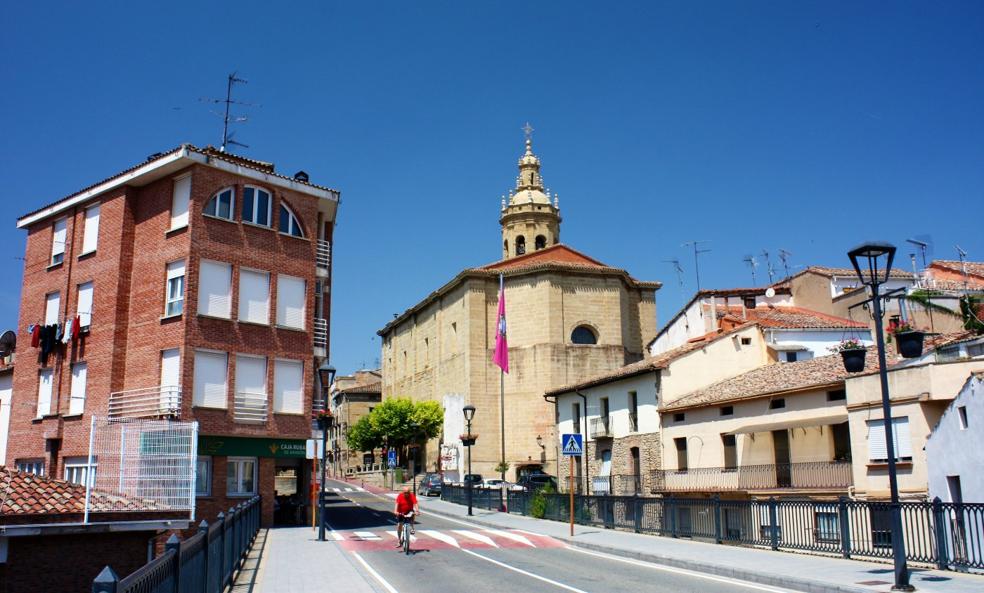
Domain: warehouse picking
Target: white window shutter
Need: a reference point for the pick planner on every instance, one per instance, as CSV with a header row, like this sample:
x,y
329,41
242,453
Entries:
x,y
179,202
903,441
44,392
90,233
254,296
52,308
877,447
58,238
288,385
84,309
290,301
251,375
175,269
211,379
79,372
215,289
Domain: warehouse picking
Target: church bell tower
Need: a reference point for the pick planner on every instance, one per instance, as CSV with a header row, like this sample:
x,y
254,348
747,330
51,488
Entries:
x,y
529,220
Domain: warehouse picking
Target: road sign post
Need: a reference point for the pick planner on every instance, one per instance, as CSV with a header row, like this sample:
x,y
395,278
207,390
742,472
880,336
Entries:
x,y
572,445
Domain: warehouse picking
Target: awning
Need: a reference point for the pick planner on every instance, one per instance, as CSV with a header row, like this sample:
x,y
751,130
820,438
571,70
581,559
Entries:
x,y
827,420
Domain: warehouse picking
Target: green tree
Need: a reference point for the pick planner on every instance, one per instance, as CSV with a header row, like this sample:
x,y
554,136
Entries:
x,y
397,422
362,436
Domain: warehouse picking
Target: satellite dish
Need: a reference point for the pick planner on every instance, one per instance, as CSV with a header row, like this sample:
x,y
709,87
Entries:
x,y
8,342
770,292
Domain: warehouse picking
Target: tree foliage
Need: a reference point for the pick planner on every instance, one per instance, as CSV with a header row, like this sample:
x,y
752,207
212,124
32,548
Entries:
x,y
397,423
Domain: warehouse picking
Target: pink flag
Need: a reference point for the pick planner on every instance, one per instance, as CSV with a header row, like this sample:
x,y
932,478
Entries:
x,y
501,355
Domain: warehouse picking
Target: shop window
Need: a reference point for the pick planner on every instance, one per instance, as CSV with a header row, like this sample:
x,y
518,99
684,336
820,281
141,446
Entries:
x,y
241,476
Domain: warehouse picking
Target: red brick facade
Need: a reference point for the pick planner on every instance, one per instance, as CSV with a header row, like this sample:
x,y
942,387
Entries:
x,y
128,331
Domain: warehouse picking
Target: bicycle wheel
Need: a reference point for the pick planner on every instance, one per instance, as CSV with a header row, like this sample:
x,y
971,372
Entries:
x,y
406,537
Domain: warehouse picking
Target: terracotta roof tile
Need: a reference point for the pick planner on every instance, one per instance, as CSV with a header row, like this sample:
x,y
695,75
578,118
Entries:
x,y
783,317
975,268
27,494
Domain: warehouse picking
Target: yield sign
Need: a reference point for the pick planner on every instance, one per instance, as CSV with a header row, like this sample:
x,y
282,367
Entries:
x,y
572,444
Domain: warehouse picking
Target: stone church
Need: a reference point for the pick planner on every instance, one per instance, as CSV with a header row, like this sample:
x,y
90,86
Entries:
x,y
569,317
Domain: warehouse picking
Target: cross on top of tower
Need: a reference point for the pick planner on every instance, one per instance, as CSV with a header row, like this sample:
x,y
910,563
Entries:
x,y
528,131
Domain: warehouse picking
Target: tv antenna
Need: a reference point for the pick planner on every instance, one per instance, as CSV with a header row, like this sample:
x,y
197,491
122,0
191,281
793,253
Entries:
x,y
227,117
963,263
768,263
697,252
679,272
922,245
752,264
784,258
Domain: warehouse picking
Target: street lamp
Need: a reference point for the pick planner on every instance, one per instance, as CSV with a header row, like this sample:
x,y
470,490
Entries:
x,y
326,373
468,441
866,259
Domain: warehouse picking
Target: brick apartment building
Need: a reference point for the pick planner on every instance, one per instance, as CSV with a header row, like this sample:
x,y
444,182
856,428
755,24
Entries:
x,y
195,286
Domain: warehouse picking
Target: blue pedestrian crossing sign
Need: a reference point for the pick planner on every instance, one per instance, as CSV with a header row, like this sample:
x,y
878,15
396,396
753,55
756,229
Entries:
x,y
572,444
391,461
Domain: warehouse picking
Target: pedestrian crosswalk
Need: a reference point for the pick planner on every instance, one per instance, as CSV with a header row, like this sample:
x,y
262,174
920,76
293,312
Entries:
x,y
438,539
353,489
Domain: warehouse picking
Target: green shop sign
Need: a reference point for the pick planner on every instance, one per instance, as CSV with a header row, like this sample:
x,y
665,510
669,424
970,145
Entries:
x,y
251,447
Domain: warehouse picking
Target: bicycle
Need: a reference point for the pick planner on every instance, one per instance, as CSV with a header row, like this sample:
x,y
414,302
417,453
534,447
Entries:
x,y
404,532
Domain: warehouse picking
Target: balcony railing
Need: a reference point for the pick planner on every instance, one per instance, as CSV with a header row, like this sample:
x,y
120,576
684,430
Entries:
x,y
250,408
810,475
323,254
161,401
320,333
601,427
617,484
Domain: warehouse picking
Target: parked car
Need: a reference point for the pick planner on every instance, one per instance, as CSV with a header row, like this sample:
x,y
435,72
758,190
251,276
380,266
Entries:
x,y
533,482
474,479
431,484
494,483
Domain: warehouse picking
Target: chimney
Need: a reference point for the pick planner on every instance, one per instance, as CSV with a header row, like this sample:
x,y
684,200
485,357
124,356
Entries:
x,y
301,176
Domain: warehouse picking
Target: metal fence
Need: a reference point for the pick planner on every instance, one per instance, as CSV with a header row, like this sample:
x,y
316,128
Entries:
x,y
203,563
946,535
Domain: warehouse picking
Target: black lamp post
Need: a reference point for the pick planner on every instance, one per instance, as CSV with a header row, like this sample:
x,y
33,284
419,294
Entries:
x,y
468,441
326,373
865,259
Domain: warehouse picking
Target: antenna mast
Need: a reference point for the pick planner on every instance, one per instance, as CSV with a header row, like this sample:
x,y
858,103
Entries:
x,y
922,245
697,252
227,117
768,263
752,264
784,257
963,264
679,272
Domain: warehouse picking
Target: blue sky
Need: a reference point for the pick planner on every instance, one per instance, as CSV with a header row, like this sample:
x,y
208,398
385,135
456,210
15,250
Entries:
x,y
753,125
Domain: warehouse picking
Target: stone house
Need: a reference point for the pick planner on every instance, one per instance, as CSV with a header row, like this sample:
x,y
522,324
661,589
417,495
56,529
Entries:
x,y
352,397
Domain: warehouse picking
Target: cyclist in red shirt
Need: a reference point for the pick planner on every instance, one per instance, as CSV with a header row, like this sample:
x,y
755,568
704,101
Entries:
x,y
406,501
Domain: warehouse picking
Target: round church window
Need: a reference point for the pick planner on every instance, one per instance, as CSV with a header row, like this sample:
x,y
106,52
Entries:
x,y
583,334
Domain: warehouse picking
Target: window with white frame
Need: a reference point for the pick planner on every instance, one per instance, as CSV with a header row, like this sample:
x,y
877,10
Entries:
x,y
877,444
52,308
44,392
241,476
288,386
77,401
215,289
180,200
174,289
211,379
84,307
203,476
291,297
289,225
221,204
58,238
256,206
254,296
251,374
90,231
78,470
31,466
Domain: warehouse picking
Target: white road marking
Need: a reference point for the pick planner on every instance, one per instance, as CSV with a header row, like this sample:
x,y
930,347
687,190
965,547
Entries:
x,y
337,489
413,538
349,490
682,571
476,536
367,535
512,536
337,536
527,573
440,536
389,588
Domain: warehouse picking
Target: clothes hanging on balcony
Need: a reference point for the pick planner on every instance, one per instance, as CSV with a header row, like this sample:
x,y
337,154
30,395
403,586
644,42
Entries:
x,y
35,331
48,341
72,329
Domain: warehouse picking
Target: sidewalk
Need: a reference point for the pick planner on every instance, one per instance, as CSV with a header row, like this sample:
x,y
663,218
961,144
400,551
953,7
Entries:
x,y
820,574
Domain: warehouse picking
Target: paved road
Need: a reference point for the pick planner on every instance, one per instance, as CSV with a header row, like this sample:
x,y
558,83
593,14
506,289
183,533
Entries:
x,y
450,556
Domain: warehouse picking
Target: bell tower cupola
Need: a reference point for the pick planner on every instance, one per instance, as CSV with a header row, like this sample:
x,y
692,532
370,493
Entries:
x,y
529,220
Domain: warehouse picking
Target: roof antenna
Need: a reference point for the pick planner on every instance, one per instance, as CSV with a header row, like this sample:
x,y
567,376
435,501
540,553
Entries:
x,y
963,264
679,272
922,245
784,257
768,263
697,253
227,118
752,264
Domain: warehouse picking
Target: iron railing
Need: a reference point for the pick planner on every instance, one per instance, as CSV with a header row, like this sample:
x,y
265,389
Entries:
x,y
944,535
204,563
161,401
250,408
810,475
320,333
323,254
601,427
616,484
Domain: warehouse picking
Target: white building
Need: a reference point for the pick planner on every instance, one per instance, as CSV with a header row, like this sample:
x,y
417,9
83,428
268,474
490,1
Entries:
x,y
955,447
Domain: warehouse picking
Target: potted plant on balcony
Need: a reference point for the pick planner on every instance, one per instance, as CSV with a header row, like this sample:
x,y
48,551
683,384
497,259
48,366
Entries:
x,y
467,440
909,339
325,419
853,352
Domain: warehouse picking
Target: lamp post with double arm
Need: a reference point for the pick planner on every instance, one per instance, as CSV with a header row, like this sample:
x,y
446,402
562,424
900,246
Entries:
x,y
326,373
866,259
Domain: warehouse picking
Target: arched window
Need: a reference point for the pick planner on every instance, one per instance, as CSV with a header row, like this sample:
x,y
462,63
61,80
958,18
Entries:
x,y
541,242
221,204
582,334
505,247
256,206
289,225
520,245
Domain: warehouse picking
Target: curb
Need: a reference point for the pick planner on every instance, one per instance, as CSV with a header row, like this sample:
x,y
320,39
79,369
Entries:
x,y
751,576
